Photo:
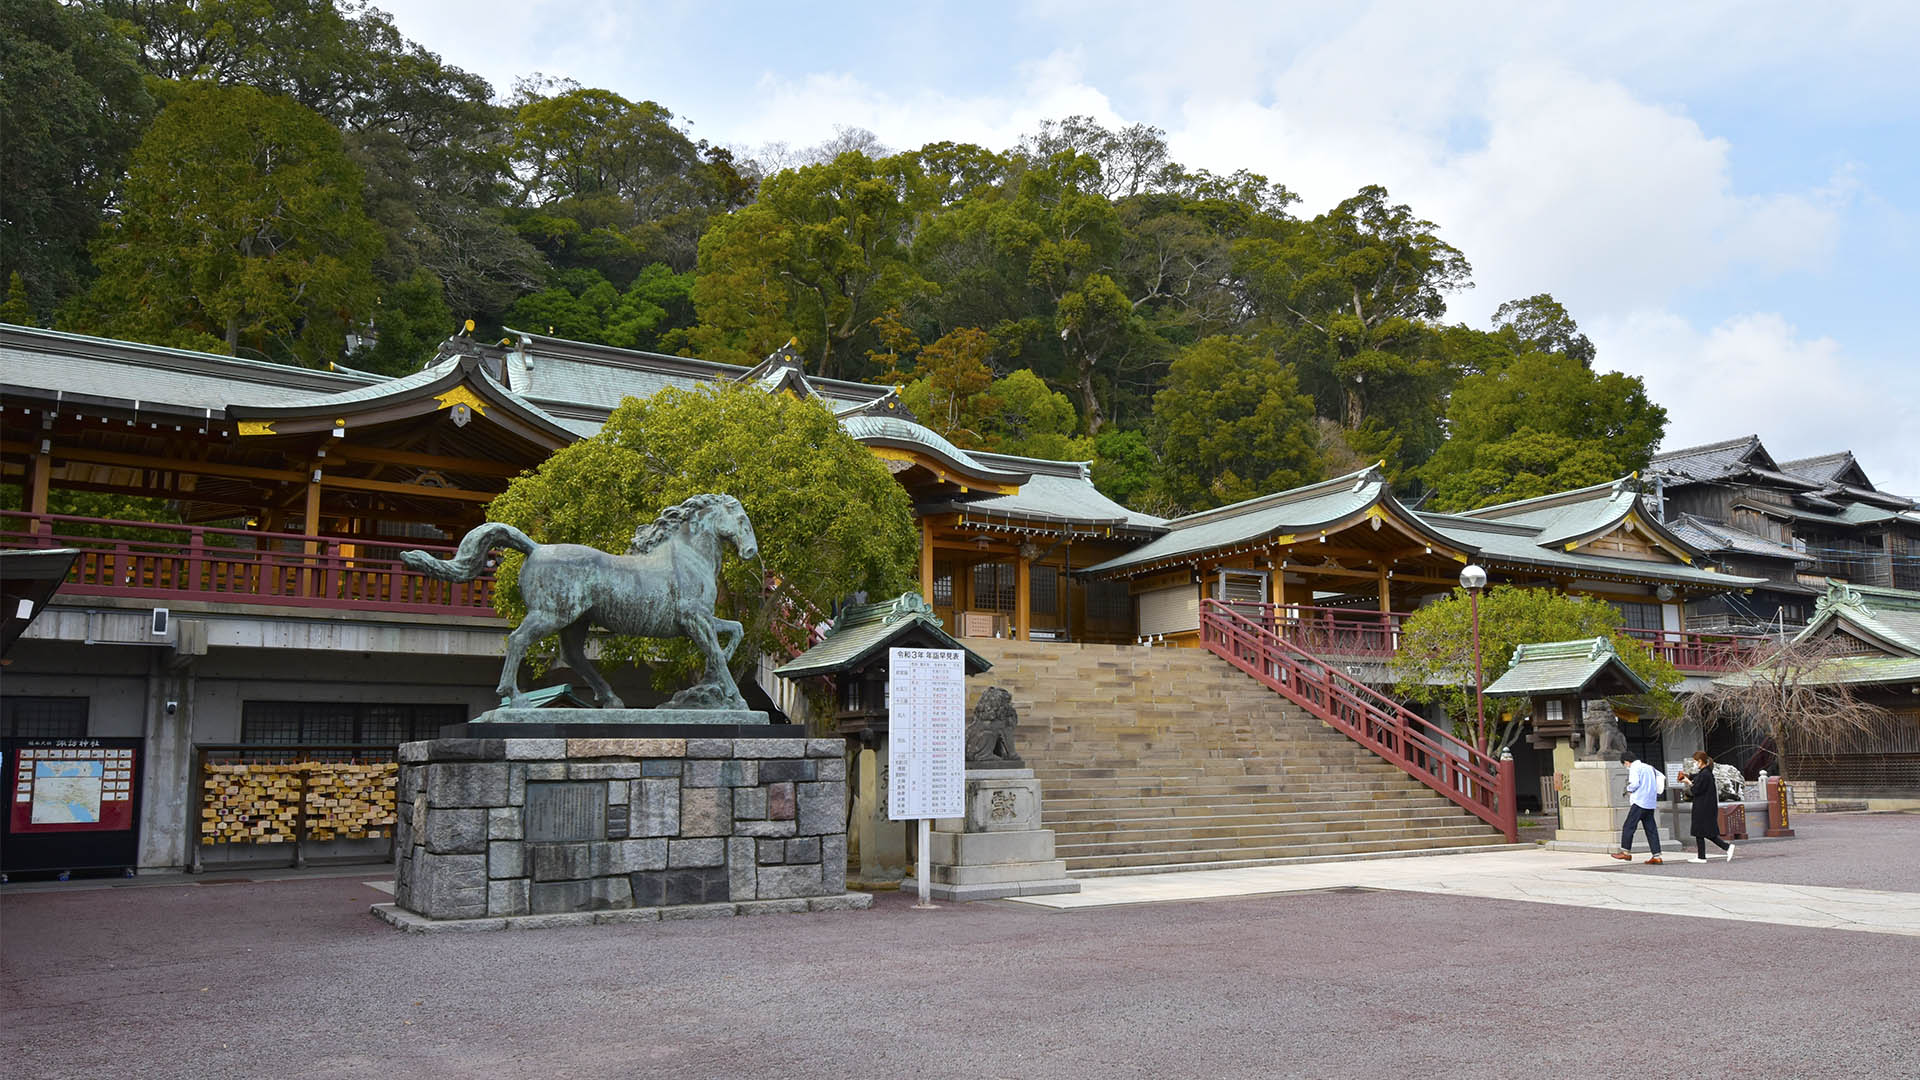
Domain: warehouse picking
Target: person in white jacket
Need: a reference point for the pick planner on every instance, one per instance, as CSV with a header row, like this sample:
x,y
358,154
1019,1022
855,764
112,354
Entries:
x,y
1644,784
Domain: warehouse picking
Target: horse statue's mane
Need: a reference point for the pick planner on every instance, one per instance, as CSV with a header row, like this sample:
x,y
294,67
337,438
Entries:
x,y
661,529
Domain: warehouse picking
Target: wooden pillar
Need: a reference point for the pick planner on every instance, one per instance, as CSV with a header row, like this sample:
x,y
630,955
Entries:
x,y
1386,600
39,479
926,559
309,583
1022,594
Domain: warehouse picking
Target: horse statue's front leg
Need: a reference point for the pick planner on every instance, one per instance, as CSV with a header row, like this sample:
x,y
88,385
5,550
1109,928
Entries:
x,y
730,634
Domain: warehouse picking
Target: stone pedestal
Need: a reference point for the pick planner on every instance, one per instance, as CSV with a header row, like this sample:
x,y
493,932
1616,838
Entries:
x,y
495,833
1594,807
998,849
880,846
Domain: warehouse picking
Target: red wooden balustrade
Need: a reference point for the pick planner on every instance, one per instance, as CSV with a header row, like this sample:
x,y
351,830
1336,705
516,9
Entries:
x,y
1456,769
1357,632
166,562
1695,651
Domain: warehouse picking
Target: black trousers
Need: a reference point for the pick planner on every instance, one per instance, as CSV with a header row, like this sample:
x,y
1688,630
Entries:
x,y
1637,816
1700,839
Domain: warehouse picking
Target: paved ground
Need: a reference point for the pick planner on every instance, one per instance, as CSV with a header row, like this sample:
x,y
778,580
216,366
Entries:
x,y
1767,885
293,978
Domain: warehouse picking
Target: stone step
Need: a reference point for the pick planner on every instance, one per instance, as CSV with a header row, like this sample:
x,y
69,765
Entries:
x,y
1293,860
1250,786
1171,757
1079,816
1213,829
1326,844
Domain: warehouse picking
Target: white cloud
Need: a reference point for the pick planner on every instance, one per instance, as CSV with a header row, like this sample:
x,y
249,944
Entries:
x,y
805,110
1755,374
1568,184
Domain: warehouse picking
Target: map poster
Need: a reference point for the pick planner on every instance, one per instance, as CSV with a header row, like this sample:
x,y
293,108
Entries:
x,y
72,785
926,734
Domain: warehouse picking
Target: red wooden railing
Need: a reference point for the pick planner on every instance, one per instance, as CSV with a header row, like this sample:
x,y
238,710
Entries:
x,y
1356,632
1454,768
1695,651
159,561
1341,631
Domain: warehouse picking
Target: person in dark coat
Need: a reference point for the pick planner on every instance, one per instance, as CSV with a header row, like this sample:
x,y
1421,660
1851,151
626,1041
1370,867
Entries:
x,y
1706,806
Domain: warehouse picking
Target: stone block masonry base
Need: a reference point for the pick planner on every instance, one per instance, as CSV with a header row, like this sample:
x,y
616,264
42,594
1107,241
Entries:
x,y
520,833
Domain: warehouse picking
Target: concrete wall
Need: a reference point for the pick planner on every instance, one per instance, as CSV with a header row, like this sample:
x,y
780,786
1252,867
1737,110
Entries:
x,y
214,659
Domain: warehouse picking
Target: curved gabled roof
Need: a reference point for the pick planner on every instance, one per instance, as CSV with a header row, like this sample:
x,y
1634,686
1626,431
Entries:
x,y
455,380
1329,504
901,434
1890,618
1567,519
1059,492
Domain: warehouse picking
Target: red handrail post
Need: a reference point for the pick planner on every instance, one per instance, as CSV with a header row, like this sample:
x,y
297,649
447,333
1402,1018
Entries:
x,y
1506,793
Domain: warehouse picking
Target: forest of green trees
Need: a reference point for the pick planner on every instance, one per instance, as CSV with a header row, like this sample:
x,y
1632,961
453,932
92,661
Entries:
x,y
275,178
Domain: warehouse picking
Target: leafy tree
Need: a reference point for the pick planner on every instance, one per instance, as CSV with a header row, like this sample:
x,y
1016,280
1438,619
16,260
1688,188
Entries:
x,y
1232,424
584,306
1028,418
830,519
1535,418
1541,324
819,257
1353,296
1435,661
947,383
1131,160
1125,468
17,309
72,107
241,227
411,322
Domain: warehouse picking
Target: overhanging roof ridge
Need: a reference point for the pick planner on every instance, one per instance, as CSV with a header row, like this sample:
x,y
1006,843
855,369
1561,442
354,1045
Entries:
x,y
1370,474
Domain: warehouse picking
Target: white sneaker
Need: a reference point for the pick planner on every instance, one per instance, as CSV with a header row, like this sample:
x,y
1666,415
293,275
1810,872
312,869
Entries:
x,y
1730,848
1696,858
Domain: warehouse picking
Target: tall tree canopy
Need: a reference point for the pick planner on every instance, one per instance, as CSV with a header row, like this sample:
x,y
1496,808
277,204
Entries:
x,y
1232,424
240,229
72,107
1535,418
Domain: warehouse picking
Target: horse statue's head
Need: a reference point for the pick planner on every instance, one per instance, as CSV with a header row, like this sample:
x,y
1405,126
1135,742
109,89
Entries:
x,y
714,515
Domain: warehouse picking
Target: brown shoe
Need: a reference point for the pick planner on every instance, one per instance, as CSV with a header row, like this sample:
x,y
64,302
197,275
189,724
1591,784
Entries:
x,y
1623,856
1656,860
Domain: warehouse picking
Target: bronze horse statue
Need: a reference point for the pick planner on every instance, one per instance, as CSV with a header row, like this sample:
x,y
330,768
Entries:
x,y
664,586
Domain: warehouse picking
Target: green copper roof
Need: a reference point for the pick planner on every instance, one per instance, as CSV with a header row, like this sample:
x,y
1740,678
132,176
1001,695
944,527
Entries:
x,y
1301,509
1566,667
862,630
1888,617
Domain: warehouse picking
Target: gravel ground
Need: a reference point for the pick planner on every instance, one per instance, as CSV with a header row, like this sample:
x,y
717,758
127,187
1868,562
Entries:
x,y
294,979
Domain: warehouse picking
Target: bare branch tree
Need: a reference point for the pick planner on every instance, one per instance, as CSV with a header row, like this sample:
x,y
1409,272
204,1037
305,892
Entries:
x,y
1796,694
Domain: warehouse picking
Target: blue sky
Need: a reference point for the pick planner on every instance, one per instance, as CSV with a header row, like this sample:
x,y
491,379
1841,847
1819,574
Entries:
x,y
1726,196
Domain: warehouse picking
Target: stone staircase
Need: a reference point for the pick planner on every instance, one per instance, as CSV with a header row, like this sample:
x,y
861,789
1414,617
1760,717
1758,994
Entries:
x,y
1169,759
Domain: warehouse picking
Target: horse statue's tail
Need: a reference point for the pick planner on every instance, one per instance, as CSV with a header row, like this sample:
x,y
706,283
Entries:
x,y
467,563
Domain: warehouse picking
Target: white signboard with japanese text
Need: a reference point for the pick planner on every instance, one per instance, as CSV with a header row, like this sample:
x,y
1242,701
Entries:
x,y
926,734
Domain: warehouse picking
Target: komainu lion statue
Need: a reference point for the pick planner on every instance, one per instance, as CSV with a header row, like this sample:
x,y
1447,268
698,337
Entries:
x,y
1601,737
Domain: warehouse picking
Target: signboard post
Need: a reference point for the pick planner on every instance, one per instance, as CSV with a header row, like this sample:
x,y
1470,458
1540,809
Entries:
x,y
926,742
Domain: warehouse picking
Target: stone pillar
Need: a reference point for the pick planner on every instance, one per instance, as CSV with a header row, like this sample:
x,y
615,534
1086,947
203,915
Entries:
x,y
882,844
998,849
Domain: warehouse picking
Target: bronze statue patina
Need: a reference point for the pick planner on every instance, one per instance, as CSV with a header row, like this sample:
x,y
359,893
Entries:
x,y
664,586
